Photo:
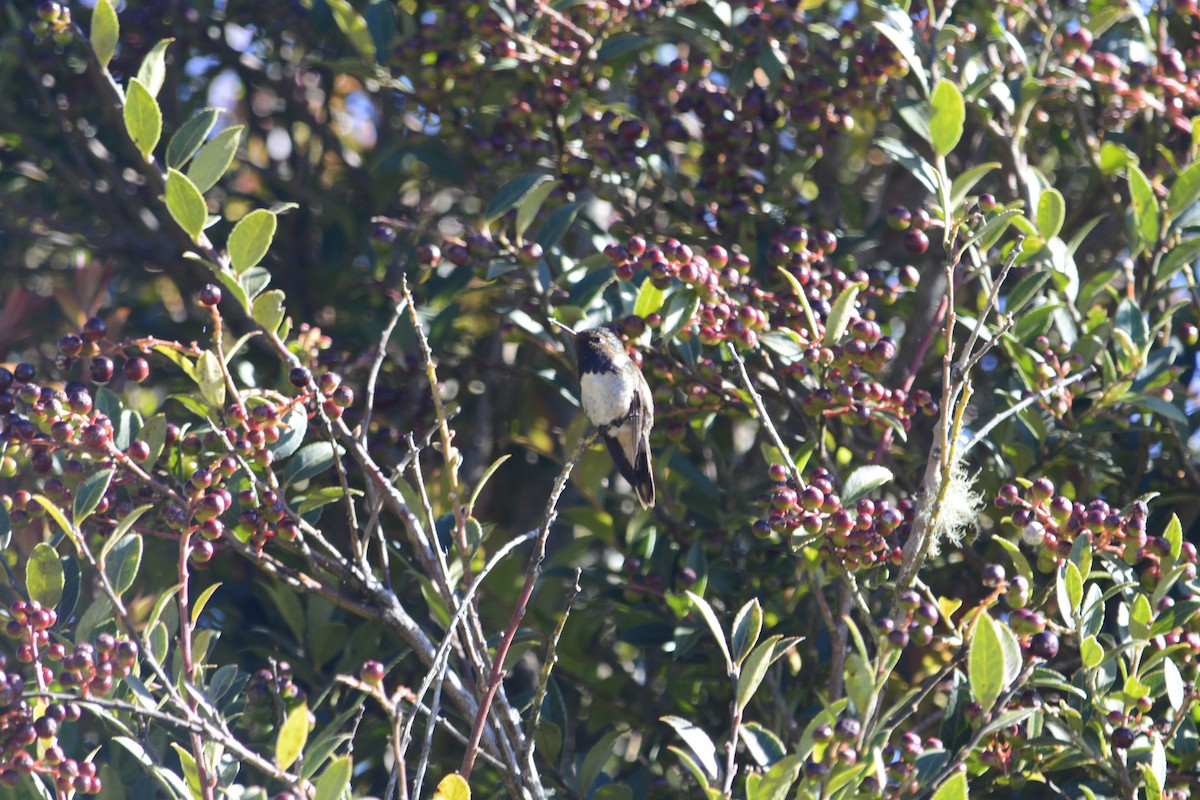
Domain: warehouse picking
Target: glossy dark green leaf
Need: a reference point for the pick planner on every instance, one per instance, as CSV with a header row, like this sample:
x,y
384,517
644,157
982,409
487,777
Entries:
x,y
512,194
123,562
90,493
380,17
214,158
309,461
190,136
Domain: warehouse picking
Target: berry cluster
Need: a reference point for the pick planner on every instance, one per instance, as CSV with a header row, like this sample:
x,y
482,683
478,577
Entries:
x,y
269,691
871,532
915,625
1051,523
901,759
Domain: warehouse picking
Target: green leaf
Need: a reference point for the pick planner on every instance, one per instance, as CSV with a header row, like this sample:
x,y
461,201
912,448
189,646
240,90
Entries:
x,y
1174,535
965,182
757,663
44,578
778,780
250,239
649,299
335,779
354,26
512,194
912,161
681,307
309,461
556,225
863,481
899,31
1185,191
105,32
186,204
949,116
90,493
123,562
985,663
714,625
747,626
323,497
268,310
1025,290
954,788
1145,209
211,379
153,70
5,529
839,314
122,528
293,734
380,17
187,764
596,758
143,118
532,204
154,434
1051,212
699,743
987,234
1090,652
190,136
1131,320
214,158
486,477
1155,772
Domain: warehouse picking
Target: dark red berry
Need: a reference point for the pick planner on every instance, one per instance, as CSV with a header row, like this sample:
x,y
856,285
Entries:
x,y
1044,644
210,295
1122,738
94,330
136,369
101,369
24,373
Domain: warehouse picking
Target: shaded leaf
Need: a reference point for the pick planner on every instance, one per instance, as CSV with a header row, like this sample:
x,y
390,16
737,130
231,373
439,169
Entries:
x,y
336,779
214,158
90,493
699,743
124,560
190,136
512,194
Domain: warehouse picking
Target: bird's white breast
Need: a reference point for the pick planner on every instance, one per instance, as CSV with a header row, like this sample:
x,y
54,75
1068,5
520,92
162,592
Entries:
x,y
606,396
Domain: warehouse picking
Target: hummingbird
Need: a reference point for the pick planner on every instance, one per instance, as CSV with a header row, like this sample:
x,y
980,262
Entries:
x,y
616,398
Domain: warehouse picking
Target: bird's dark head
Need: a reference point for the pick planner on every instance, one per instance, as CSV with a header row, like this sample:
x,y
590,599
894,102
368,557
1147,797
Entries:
x,y
599,349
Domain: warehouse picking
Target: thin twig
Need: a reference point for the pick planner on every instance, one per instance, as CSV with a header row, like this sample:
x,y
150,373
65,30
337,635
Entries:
x,y
764,417
531,576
